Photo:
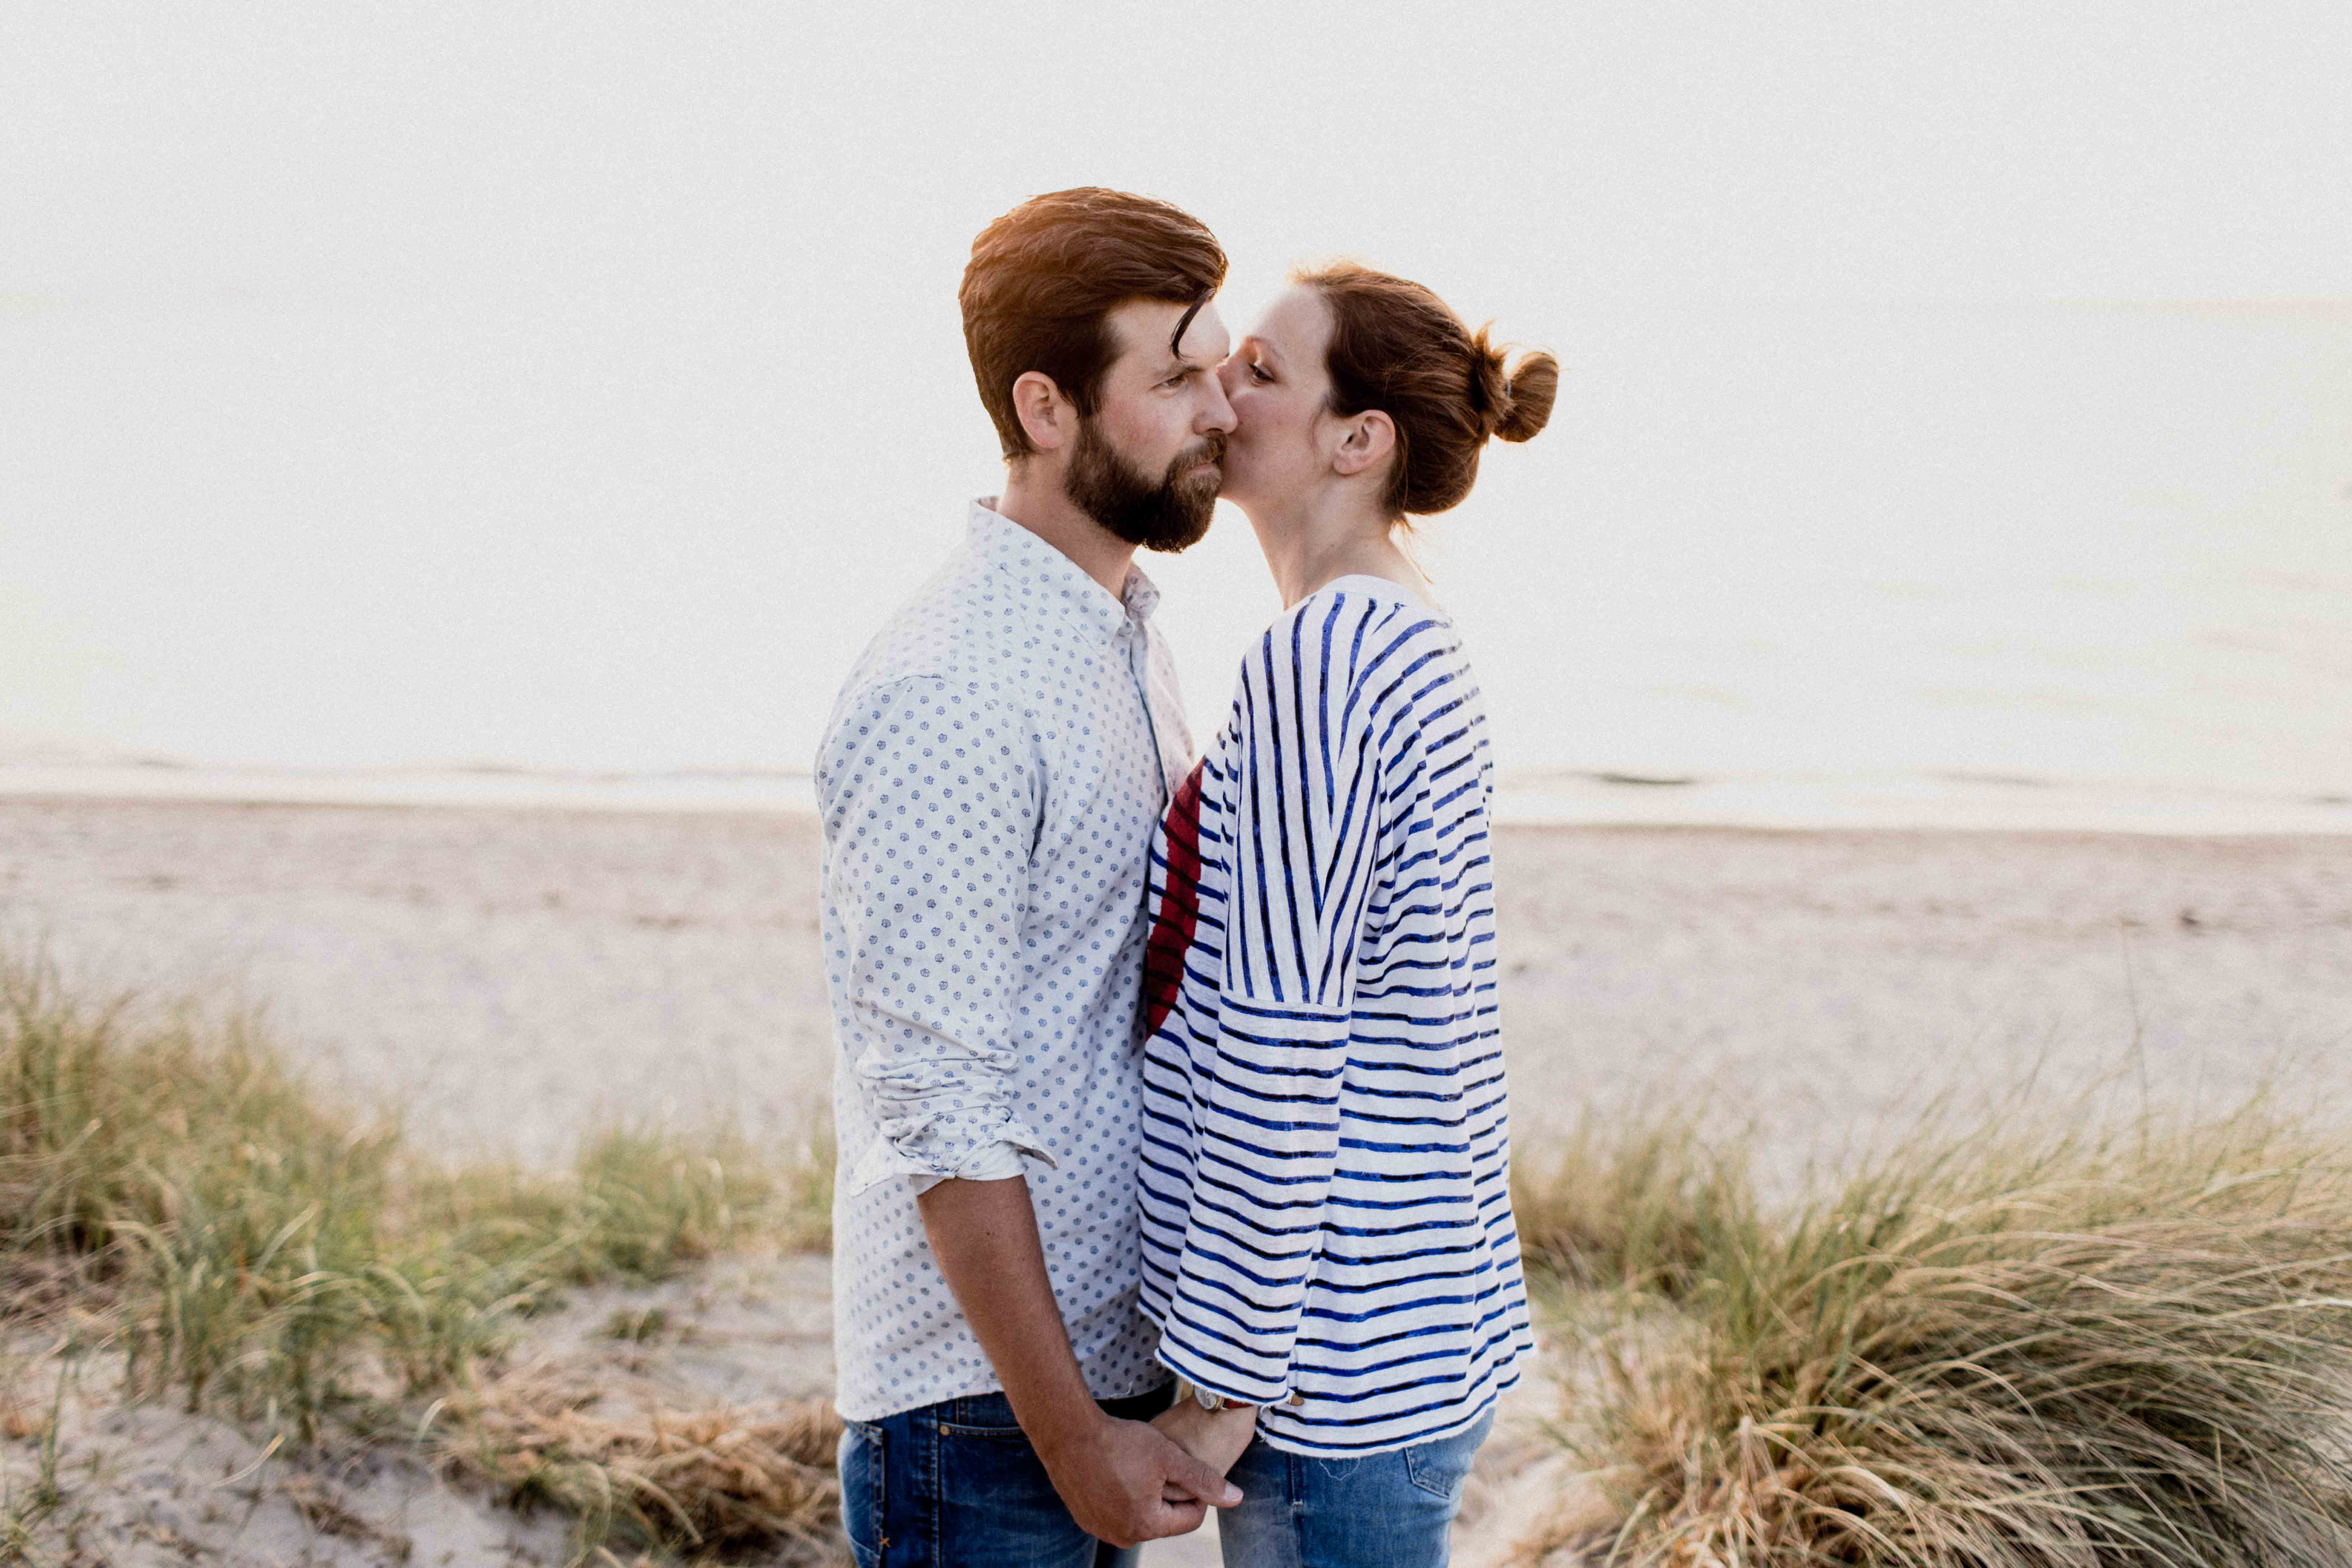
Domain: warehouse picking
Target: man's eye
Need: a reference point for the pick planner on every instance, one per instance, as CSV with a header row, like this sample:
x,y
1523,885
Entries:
x,y
1259,372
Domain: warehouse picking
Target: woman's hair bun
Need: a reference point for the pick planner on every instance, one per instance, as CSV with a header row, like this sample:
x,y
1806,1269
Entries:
x,y
1517,404
1399,349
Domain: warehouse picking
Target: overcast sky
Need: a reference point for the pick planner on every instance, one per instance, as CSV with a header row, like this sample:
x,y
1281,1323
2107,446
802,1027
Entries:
x,y
582,383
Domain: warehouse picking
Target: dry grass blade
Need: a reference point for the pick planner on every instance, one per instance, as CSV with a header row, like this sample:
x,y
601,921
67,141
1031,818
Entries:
x,y
2063,1351
253,1247
1628,1198
697,1477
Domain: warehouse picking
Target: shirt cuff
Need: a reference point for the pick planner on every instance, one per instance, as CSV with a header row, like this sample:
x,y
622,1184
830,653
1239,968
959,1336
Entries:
x,y
996,1162
944,1146
1235,1383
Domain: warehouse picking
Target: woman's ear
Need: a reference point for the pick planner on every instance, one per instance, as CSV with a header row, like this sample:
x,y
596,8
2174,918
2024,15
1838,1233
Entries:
x,y
1047,416
1369,440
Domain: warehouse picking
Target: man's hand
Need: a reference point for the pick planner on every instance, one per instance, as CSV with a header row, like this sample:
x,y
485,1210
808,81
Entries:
x,y
1126,1482
1215,1437
1113,1475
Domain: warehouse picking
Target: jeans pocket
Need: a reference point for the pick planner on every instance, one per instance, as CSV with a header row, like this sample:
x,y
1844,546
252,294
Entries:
x,y
1442,1468
863,1497
986,1434
988,1417
995,1503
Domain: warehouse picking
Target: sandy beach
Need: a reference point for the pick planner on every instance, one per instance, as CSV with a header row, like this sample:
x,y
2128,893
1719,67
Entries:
x,y
502,979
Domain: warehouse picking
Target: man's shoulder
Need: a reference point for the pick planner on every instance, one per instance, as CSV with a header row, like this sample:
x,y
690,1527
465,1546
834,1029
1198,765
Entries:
x,y
967,602
896,717
952,645
965,624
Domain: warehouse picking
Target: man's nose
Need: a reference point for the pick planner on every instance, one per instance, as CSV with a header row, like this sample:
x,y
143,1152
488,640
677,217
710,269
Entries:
x,y
1217,413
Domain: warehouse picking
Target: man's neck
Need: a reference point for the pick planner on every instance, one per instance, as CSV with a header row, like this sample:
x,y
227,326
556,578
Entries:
x,y
1036,501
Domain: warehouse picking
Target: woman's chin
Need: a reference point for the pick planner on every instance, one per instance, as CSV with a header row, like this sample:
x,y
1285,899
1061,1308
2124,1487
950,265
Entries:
x,y
1236,487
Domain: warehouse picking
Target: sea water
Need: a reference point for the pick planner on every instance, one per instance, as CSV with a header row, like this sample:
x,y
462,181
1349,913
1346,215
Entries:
x,y
2038,564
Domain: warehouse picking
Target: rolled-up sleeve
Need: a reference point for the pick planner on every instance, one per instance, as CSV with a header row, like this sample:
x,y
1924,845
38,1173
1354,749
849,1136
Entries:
x,y
931,800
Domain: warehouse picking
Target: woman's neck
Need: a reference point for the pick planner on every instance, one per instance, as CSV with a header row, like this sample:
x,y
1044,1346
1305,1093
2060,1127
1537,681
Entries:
x,y
1328,538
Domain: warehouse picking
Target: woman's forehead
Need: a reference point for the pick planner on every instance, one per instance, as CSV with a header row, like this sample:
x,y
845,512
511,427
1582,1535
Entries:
x,y
1297,324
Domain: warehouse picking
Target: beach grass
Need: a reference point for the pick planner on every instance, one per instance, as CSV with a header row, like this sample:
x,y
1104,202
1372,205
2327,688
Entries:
x,y
700,1480
170,1184
2001,1340
2071,1343
1630,1198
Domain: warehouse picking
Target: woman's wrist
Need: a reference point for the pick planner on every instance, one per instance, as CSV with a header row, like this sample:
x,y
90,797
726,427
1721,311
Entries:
x,y
1208,1399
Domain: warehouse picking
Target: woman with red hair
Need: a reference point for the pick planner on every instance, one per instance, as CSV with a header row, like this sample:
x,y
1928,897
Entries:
x,y
1327,1241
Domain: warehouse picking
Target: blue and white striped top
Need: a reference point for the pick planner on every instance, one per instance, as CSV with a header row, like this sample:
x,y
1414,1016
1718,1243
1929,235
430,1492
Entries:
x,y
1326,1190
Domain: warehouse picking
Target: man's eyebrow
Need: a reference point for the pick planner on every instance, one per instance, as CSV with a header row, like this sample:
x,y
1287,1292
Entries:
x,y
1184,364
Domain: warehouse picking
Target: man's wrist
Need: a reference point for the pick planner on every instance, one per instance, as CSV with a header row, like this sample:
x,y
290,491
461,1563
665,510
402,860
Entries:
x,y
1062,1425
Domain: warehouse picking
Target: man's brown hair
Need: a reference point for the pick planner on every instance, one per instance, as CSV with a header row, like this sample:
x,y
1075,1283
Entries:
x,y
1043,277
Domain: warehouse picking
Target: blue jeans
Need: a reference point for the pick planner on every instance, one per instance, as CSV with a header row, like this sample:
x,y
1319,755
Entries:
x,y
956,1484
1384,1511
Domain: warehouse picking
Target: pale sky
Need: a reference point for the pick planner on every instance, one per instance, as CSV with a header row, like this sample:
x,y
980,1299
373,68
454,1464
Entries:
x,y
582,384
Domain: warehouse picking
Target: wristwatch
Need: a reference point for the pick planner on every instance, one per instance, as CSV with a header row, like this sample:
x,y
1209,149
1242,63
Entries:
x,y
1208,1399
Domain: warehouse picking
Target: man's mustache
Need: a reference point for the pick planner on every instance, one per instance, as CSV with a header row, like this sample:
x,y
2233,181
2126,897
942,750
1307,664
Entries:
x,y
1210,448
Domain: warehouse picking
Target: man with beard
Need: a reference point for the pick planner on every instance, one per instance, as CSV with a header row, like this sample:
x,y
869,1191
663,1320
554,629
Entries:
x,y
988,787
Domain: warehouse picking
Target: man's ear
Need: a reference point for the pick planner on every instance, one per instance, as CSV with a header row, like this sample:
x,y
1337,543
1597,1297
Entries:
x,y
1370,438
1049,419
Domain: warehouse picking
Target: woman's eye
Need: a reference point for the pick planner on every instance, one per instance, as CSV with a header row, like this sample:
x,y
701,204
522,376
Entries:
x,y
1258,372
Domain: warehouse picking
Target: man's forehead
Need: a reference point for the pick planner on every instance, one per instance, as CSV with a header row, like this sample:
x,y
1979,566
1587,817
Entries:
x,y
1204,335
1145,327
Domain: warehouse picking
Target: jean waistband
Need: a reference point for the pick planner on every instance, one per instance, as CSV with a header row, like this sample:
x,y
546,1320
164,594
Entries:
x,y
996,1410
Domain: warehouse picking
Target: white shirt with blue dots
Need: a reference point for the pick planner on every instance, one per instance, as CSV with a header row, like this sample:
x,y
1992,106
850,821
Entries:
x,y
988,786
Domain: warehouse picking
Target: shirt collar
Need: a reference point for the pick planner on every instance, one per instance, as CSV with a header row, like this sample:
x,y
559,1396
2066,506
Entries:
x,y
1010,547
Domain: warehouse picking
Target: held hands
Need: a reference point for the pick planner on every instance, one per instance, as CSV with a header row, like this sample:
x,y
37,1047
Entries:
x,y
1126,1482
1215,1437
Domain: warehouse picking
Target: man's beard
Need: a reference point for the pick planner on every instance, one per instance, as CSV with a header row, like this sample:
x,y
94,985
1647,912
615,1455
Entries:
x,y
1167,514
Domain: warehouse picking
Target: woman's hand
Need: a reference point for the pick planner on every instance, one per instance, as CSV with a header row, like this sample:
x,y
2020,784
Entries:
x,y
1215,1437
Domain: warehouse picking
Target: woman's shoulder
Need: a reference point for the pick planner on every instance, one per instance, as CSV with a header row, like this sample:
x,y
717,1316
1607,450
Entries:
x,y
1372,603
1342,660
1363,590
1350,627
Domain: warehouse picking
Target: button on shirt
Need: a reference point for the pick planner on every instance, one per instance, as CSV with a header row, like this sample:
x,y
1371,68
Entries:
x,y
988,786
